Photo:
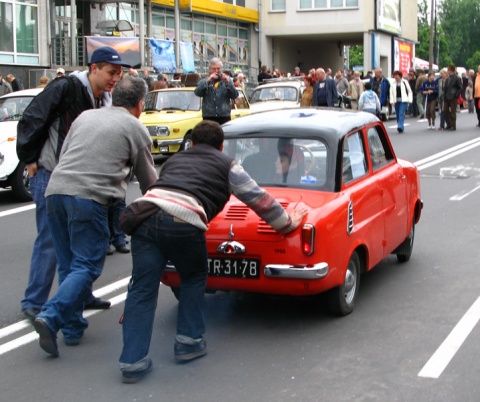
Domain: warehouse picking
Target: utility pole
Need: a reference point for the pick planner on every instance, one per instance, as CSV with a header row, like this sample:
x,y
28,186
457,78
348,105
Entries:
x,y
432,33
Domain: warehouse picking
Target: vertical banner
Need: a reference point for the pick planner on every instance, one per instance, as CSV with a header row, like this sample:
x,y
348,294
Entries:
x,y
243,51
222,48
211,46
402,55
233,50
163,56
375,50
128,48
186,55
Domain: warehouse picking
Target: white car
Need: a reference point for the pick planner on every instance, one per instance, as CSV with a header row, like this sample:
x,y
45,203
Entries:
x,y
13,173
277,93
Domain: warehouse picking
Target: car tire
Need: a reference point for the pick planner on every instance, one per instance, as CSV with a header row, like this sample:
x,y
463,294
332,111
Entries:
x,y
404,251
176,292
20,183
187,142
341,300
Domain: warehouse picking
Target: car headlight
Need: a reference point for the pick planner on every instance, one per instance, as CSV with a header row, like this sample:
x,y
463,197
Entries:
x,y
159,131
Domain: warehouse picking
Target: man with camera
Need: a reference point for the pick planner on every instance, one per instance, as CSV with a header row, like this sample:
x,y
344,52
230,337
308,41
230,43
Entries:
x,y
217,92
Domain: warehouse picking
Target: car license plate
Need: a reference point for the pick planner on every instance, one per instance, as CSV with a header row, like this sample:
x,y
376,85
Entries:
x,y
234,267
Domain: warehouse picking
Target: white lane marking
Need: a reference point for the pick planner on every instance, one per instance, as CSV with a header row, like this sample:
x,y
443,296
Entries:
x,y
460,196
440,359
17,210
32,336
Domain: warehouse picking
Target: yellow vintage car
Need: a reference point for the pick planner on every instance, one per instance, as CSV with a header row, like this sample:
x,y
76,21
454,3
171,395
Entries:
x,y
171,114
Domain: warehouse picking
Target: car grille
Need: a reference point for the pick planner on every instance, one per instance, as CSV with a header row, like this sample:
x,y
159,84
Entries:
x,y
237,213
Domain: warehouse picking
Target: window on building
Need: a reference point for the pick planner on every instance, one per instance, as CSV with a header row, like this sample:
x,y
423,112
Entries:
x,y
278,5
6,27
322,4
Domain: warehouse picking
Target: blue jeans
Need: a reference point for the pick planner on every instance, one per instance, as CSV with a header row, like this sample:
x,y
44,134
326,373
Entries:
x,y
44,262
400,108
117,236
159,239
80,234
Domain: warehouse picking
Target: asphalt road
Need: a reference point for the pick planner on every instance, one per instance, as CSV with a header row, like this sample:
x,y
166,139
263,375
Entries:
x,y
413,336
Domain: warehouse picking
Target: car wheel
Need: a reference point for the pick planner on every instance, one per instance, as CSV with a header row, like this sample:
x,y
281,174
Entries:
x,y
20,183
176,292
187,142
404,251
341,300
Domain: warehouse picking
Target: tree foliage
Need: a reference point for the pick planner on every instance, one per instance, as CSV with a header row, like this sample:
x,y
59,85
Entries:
x,y
356,56
460,20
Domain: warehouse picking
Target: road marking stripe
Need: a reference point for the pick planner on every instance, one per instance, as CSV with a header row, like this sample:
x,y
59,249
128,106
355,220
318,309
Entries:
x,y
463,194
440,359
436,157
32,336
17,210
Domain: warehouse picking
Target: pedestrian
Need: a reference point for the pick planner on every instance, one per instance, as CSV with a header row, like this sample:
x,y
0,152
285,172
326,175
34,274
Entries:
x,y
452,91
355,89
148,80
60,72
369,101
307,93
5,87
381,86
400,97
193,187
160,83
341,82
117,235
264,74
217,92
469,97
441,87
430,89
14,82
241,82
297,72
40,135
412,80
476,93
421,78
324,91
43,81
84,183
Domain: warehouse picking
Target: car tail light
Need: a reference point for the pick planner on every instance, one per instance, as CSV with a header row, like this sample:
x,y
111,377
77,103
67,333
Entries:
x,y
308,238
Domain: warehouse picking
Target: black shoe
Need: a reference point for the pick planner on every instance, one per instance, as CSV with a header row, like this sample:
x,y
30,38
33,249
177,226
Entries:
x,y
31,313
98,304
48,339
131,377
185,353
122,248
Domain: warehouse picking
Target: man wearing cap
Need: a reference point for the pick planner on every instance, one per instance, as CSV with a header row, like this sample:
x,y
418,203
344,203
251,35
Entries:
x,y
60,72
40,135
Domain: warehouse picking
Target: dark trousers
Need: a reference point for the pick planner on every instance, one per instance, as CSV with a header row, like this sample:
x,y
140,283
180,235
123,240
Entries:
x,y
219,119
450,112
477,108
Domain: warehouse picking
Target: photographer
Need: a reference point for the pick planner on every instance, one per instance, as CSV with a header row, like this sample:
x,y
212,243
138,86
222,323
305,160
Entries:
x,y
217,92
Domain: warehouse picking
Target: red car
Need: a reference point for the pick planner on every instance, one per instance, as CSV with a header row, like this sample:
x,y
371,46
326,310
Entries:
x,y
363,205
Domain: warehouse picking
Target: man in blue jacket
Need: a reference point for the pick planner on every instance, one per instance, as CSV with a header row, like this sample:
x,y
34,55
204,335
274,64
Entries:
x,y
324,91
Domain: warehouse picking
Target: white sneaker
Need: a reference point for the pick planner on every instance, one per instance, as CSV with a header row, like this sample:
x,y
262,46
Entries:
x,y
433,127
429,128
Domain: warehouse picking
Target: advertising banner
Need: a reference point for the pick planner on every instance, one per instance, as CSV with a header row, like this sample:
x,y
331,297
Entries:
x,y
163,56
186,55
128,48
402,55
388,16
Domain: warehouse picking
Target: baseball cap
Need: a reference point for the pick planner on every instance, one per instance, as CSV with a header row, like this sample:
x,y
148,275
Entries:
x,y
108,55
60,70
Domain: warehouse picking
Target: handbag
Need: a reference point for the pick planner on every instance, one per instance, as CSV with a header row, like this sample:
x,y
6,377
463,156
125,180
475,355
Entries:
x,y
134,215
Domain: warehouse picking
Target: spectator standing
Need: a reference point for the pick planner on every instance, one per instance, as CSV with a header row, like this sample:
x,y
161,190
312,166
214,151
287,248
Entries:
x,y
217,92
193,187
421,78
400,97
328,73
368,76
452,90
43,81
5,87
160,83
469,97
14,82
241,81
355,89
324,91
464,77
148,80
60,72
430,89
341,82
441,87
381,86
307,92
86,180
263,74
476,94
369,101
297,72
40,135
412,80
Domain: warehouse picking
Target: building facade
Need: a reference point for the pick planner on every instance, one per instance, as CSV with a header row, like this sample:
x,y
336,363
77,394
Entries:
x,y
37,36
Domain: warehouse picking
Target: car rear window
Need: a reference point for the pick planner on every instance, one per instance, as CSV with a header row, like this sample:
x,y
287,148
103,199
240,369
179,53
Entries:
x,y
283,162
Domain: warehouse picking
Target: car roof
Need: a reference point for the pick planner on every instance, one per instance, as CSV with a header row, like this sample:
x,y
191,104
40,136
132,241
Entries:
x,y
331,122
26,92
270,83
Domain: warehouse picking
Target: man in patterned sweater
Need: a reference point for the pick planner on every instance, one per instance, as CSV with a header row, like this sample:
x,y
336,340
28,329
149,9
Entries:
x,y
193,187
